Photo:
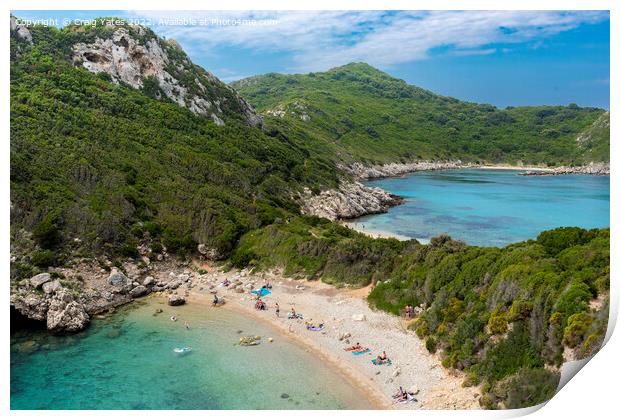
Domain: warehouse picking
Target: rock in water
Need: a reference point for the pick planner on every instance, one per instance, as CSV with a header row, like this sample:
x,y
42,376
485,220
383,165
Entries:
x,y
285,395
176,300
117,278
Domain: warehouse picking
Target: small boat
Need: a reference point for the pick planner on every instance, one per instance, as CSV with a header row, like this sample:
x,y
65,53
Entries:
x,y
182,350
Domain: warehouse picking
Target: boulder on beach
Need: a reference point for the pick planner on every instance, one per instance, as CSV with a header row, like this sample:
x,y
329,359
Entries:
x,y
358,317
176,300
148,281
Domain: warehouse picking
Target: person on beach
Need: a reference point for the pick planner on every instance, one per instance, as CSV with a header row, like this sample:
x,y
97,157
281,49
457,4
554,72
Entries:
x,y
293,313
277,310
382,358
356,347
216,300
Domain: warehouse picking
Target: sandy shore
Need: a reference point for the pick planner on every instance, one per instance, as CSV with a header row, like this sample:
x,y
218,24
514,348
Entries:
x,y
514,168
413,367
378,234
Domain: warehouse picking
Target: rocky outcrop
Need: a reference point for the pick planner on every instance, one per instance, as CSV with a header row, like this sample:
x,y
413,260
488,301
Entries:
x,y
65,314
351,200
360,171
117,278
133,54
209,252
593,168
21,31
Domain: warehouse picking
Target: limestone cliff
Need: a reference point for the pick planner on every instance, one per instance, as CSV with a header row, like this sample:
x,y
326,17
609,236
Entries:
x,y
135,56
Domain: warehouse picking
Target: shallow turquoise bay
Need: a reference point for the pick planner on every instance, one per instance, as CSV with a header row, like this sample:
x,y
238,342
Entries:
x,y
490,207
127,362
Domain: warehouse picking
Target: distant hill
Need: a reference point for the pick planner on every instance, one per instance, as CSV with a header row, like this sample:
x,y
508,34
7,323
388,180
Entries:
x,y
366,115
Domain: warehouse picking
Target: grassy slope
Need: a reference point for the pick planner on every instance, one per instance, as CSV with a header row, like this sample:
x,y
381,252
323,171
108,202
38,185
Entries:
x,y
366,115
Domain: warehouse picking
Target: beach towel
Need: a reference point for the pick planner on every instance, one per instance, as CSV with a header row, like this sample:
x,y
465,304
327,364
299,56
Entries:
x,y
387,362
290,316
261,292
358,353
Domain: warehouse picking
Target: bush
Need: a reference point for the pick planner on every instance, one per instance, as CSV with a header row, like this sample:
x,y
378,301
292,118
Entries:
x,y
527,388
431,345
578,325
498,324
43,259
47,232
242,258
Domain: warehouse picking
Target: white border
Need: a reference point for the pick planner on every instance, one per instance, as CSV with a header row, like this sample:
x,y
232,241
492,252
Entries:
x,y
593,391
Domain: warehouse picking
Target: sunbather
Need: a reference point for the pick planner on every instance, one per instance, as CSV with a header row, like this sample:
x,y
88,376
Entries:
x,y
356,347
382,358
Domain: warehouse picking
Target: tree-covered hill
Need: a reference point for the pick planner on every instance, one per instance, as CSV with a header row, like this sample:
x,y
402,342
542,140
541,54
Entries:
x,y
364,114
103,163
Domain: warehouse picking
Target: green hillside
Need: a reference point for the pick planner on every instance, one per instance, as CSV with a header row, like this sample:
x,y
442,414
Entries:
x,y
99,168
367,115
104,163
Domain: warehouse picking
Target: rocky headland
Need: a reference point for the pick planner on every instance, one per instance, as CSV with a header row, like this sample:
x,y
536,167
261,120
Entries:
x,y
351,200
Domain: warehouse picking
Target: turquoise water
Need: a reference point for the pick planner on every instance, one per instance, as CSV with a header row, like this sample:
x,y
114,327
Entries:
x,y
127,362
490,207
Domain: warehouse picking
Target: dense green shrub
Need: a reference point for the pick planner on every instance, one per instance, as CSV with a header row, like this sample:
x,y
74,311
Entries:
x,y
43,259
431,345
578,325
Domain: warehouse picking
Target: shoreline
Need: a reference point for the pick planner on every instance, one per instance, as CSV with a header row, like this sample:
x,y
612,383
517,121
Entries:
x,y
377,399
413,367
378,234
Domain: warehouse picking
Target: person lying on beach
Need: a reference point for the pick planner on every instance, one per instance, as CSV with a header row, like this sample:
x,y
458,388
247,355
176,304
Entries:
x,y
277,310
356,347
267,286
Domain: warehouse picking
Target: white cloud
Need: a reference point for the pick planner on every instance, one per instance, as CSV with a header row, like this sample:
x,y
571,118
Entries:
x,y
320,40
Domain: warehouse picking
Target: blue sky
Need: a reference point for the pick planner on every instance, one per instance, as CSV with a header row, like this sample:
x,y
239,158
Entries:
x,y
498,57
